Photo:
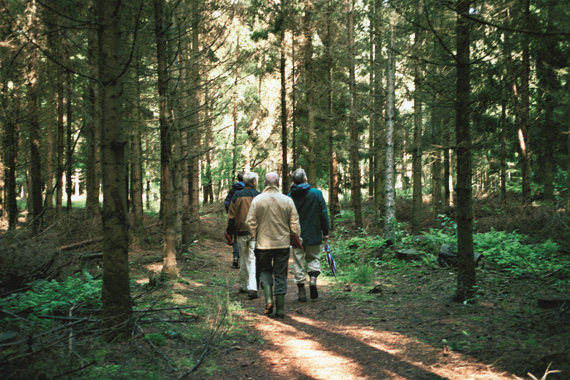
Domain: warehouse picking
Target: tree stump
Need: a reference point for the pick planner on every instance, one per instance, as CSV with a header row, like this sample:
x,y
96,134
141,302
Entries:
x,y
553,303
409,254
448,256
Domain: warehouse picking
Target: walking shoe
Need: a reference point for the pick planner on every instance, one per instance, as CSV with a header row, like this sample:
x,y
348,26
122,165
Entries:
x,y
242,291
313,288
302,293
252,294
235,263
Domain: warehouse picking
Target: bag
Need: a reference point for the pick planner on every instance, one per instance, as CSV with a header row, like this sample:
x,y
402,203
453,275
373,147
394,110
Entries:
x,y
229,240
295,242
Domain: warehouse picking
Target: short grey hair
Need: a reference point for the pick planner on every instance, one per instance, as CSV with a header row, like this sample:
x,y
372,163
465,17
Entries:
x,y
299,176
248,178
272,179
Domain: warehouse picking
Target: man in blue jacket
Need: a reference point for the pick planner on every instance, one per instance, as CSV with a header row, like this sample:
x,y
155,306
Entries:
x,y
235,188
314,218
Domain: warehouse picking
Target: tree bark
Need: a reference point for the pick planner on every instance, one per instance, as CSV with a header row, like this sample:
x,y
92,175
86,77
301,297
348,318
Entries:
x,y
503,173
466,281
192,223
93,129
69,143
309,88
136,171
334,206
418,121
34,127
60,129
355,194
116,298
390,194
548,86
523,132
166,182
10,145
283,77
378,112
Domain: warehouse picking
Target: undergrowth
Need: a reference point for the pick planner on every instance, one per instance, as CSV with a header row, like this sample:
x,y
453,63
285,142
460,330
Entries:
x,y
510,252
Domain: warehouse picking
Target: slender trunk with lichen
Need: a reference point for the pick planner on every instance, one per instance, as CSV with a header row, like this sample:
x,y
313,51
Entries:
x,y
389,191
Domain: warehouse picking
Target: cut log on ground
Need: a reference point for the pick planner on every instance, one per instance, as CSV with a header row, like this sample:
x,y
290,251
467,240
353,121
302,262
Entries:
x,y
409,254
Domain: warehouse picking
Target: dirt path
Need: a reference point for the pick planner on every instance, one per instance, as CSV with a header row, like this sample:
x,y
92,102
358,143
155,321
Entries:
x,y
344,334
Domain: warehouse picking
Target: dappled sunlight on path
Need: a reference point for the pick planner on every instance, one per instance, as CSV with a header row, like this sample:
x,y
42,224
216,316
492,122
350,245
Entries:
x,y
299,347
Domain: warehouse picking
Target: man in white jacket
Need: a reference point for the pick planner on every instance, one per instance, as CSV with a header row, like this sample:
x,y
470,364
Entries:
x,y
272,218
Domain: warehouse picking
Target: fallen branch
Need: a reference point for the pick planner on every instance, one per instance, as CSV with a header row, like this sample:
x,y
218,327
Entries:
x,y
81,244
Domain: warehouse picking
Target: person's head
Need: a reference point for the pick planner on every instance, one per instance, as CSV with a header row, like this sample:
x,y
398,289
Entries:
x,y
272,179
240,176
250,179
299,176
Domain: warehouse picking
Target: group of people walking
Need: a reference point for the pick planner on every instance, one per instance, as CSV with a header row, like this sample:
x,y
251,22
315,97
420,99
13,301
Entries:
x,y
261,225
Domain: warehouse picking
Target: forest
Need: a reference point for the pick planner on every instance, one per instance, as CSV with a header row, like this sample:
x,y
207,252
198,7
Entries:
x,y
427,124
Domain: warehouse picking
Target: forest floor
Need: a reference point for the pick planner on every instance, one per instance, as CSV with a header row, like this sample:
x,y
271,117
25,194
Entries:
x,y
400,325
403,325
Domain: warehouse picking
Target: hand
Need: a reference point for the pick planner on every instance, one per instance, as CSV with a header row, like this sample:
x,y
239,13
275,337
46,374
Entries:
x,y
326,238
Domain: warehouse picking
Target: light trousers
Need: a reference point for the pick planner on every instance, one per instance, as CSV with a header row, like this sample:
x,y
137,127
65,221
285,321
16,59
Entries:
x,y
246,277
310,255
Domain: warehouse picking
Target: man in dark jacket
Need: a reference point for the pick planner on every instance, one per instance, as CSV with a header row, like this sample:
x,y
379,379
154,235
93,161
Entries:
x,y
314,218
237,214
235,188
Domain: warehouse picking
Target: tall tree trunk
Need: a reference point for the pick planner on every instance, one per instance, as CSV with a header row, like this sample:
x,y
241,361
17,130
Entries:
x,y
207,180
116,298
355,195
11,153
334,206
523,132
34,128
69,143
437,117
53,41
294,148
165,119
309,88
136,156
234,101
447,176
503,170
418,121
466,281
390,194
192,224
93,129
372,123
548,85
283,76
60,129
378,112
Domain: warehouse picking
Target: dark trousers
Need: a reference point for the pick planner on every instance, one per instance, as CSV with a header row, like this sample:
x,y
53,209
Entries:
x,y
273,264
236,250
